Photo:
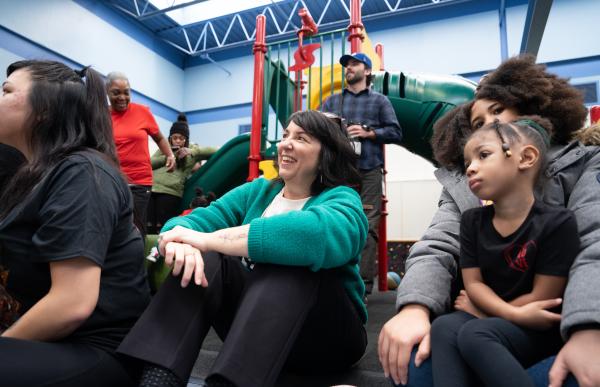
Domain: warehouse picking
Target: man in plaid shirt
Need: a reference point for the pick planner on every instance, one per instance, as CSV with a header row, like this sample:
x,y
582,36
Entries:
x,y
371,121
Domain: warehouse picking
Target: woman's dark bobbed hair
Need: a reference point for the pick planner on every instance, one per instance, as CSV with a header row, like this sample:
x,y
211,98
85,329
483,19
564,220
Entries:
x,y
337,159
517,83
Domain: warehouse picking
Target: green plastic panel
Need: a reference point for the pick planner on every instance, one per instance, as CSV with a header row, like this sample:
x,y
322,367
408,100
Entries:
x,y
419,100
282,102
225,169
157,271
380,81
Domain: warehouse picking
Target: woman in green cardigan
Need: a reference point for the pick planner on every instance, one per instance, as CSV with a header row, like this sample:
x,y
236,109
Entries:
x,y
167,186
271,265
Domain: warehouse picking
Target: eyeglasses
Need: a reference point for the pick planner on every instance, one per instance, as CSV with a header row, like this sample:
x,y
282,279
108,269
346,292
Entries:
x,y
334,117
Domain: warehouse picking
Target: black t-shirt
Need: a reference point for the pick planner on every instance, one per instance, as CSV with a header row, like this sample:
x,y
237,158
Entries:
x,y
10,161
546,243
82,208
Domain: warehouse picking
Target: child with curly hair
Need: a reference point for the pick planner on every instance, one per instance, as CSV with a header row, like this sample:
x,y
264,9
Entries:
x,y
515,257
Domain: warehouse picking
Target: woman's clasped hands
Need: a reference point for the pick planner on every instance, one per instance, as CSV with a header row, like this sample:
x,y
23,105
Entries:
x,y
182,249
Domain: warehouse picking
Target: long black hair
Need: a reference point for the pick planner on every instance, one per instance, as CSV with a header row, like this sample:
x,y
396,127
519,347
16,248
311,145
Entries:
x,y
337,159
68,113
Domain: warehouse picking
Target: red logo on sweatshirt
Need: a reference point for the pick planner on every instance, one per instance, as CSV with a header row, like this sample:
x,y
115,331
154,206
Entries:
x,y
516,255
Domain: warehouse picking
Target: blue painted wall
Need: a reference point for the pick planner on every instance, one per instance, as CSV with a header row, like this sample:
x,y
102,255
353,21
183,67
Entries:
x,y
66,28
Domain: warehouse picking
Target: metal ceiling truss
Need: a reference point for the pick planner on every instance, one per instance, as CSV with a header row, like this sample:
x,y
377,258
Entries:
x,y
202,38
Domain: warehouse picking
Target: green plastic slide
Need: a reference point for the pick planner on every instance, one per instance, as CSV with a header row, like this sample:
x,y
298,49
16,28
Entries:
x,y
419,100
224,170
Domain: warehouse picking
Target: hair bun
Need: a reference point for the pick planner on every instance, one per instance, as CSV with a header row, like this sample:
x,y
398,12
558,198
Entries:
x,y
181,117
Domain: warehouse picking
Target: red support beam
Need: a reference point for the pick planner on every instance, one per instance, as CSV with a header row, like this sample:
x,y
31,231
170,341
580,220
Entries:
x,y
382,248
595,114
379,51
259,49
355,29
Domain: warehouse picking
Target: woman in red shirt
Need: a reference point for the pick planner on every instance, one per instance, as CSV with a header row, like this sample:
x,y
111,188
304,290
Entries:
x,y
132,124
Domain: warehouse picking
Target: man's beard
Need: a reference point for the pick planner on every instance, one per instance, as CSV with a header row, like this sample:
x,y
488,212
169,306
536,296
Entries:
x,y
356,78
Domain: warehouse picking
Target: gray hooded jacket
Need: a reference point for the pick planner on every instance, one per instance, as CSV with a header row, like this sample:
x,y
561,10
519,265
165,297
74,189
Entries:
x,y
572,181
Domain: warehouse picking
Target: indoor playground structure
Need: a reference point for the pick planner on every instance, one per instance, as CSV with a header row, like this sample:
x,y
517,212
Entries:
x,y
301,73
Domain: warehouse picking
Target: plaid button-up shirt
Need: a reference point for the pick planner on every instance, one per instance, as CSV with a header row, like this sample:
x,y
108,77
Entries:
x,y
373,109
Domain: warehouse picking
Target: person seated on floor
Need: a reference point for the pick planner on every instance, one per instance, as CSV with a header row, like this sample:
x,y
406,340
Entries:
x,y
70,256
273,267
200,200
517,87
167,185
515,256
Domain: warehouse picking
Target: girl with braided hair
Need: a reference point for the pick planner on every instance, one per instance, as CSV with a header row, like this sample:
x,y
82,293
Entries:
x,y
517,87
515,256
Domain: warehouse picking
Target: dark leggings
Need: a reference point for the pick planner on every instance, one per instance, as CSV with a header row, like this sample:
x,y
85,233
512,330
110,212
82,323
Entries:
x,y
467,351
141,197
33,363
269,318
161,208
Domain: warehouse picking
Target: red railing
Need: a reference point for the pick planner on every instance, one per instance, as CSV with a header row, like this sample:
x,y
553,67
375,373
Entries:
x,y
259,49
382,248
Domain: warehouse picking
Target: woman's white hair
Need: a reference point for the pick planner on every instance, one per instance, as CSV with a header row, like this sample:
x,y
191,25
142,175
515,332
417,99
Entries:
x,y
115,76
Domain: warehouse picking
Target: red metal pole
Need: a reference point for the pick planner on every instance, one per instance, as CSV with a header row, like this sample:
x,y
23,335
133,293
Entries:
x,y
382,248
379,51
259,49
595,114
355,35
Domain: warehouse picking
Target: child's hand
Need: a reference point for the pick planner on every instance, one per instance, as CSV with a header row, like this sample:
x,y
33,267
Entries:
x,y
463,303
534,315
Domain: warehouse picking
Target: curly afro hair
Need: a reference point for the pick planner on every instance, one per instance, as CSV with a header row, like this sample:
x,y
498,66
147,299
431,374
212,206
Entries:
x,y
522,84
450,133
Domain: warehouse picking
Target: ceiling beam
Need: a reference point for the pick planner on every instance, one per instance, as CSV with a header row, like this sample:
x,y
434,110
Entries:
x,y
168,9
535,23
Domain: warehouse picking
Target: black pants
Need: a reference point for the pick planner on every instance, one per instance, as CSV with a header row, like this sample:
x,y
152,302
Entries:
x,y
141,196
370,195
467,351
268,318
25,363
161,208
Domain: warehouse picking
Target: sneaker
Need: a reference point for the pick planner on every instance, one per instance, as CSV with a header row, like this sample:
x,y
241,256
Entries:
x,y
156,376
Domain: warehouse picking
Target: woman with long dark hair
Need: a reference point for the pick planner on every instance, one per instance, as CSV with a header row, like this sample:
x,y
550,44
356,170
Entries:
x,y
517,87
70,257
274,266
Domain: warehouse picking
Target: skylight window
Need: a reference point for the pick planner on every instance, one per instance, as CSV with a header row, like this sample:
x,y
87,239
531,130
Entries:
x,y
208,9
